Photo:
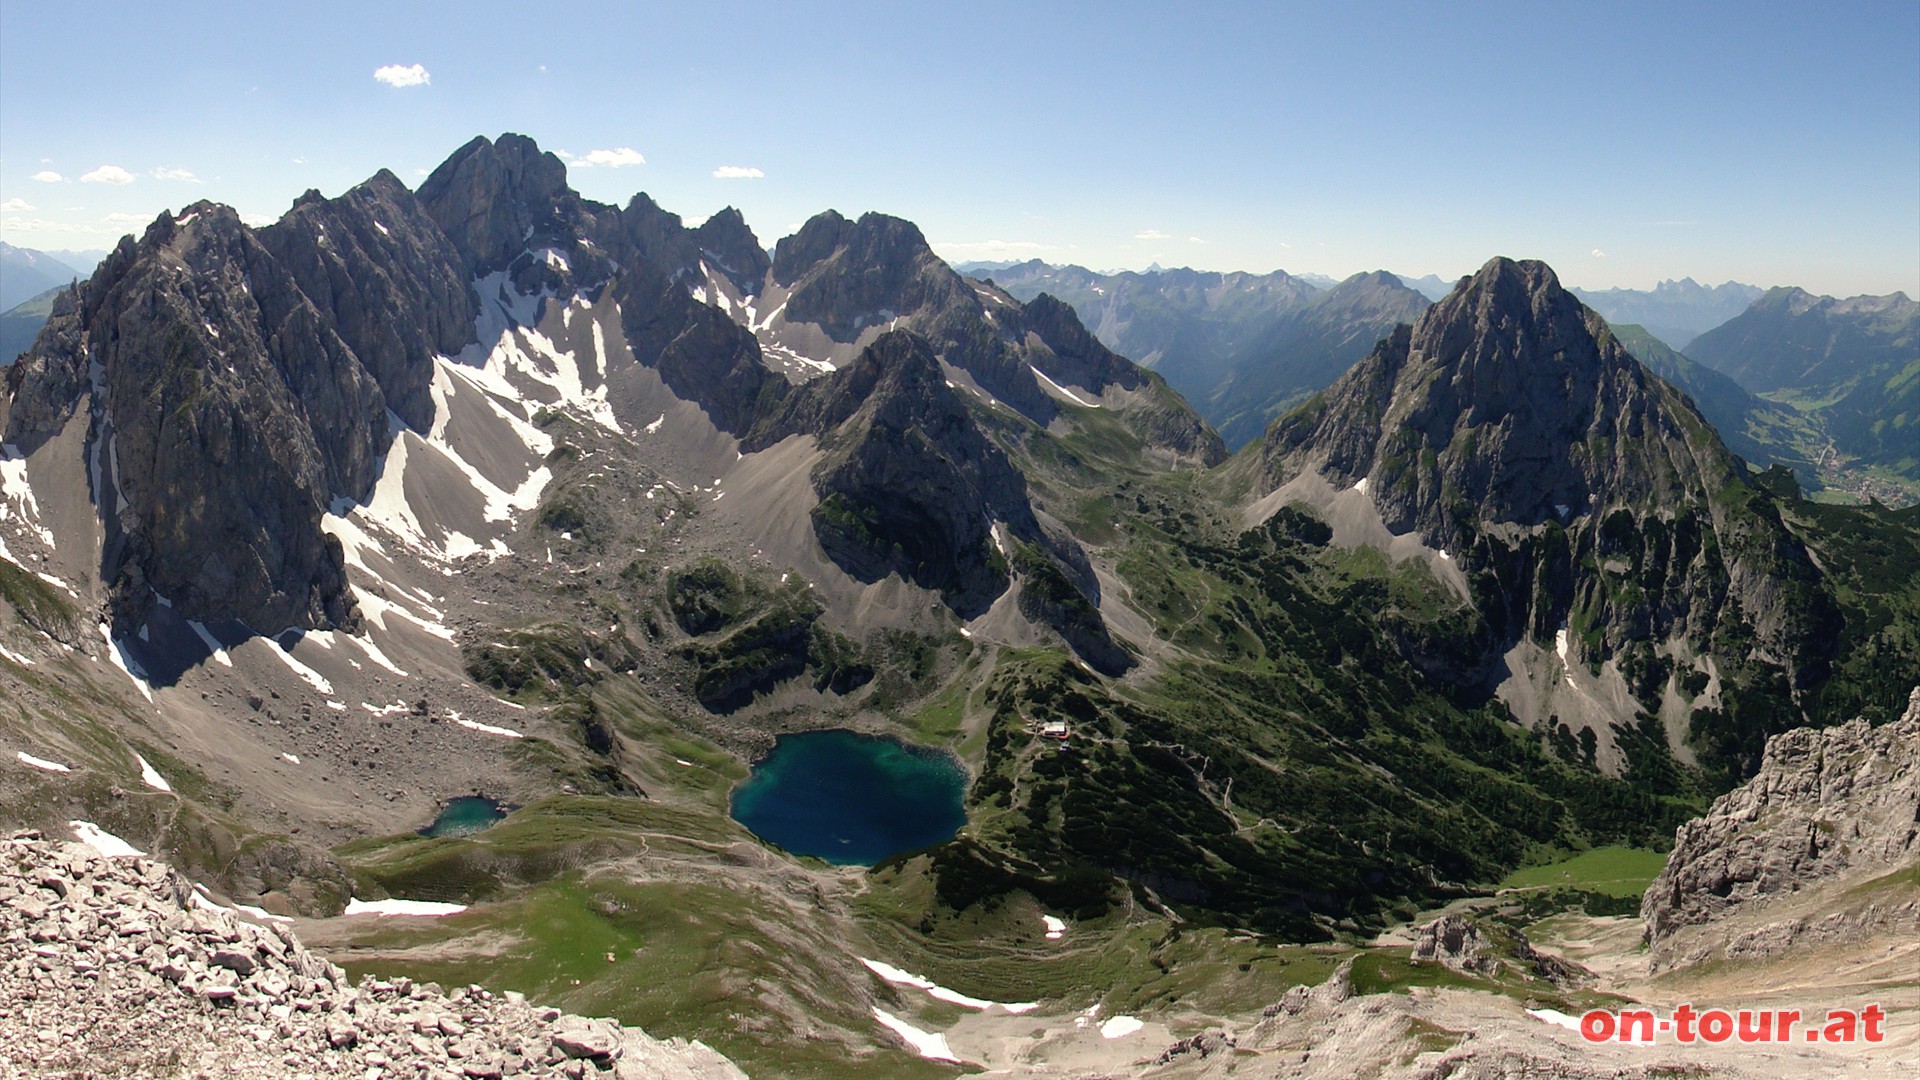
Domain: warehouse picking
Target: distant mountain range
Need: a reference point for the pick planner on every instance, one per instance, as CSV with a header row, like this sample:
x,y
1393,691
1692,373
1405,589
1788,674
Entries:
x,y
26,273
1676,312
29,280
1241,347
1853,365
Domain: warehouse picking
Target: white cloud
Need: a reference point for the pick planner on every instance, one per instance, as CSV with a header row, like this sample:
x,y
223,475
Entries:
x,y
124,219
1195,240
1598,254
164,173
257,221
738,172
611,159
18,224
16,206
107,174
48,176
1151,234
397,76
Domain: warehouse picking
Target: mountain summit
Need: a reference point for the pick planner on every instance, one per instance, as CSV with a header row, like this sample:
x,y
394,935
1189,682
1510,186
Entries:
x,y
1508,401
1583,500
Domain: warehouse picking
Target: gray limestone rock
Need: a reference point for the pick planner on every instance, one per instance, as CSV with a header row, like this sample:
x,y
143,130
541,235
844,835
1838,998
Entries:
x,y
1839,806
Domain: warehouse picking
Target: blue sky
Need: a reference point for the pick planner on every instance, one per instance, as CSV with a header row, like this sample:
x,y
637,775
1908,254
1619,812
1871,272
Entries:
x,y
1624,143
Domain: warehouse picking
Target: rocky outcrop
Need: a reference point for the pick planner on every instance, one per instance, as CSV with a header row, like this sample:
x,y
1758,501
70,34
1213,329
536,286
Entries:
x,y
227,414
1459,944
1059,344
494,199
391,284
846,276
1833,814
701,354
116,966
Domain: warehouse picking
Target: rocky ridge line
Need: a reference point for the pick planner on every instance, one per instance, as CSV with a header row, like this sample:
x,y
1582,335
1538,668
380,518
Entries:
x,y
1839,806
109,968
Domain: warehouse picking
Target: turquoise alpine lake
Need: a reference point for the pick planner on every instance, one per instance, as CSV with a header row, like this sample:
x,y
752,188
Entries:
x,y
852,799
464,815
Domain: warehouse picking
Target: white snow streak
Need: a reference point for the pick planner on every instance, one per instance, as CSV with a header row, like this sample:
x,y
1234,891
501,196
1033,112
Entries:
x,y
488,729
1075,398
925,1043
150,777
102,841
212,643
1120,1027
402,907
901,977
40,762
314,679
118,654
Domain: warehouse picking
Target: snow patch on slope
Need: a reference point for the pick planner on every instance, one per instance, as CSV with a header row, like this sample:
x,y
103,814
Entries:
x,y
927,1044
1061,390
102,841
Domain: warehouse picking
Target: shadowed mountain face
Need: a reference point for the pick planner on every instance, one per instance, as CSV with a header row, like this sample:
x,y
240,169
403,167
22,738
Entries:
x,y
1853,364
384,273
1762,432
226,413
1579,492
909,484
1514,399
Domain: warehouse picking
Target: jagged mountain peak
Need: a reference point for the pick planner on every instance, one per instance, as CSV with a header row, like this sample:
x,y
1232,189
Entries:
x,y
891,246
815,240
492,197
366,256
1506,401
726,238
898,370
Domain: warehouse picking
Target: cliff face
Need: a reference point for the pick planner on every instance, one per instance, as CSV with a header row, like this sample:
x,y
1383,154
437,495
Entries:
x,y
1579,493
389,281
1823,844
226,414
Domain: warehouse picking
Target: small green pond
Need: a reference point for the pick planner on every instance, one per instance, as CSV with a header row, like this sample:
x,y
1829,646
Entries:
x,y
466,815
